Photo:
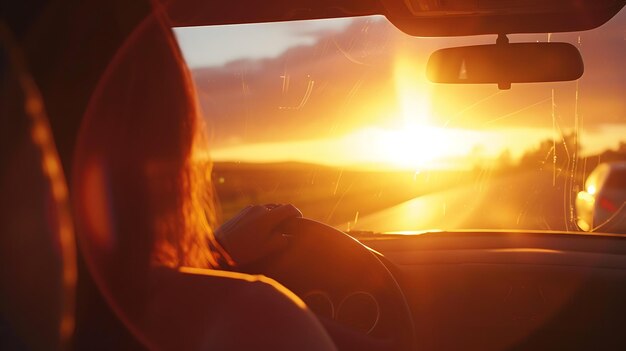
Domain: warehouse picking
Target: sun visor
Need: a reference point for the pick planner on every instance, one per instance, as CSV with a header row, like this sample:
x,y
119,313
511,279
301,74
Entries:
x,y
476,17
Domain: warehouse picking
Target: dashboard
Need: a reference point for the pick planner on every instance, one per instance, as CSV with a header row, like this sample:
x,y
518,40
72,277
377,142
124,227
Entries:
x,y
510,291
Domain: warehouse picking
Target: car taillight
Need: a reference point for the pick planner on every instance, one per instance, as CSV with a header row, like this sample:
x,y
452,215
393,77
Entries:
x,y
607,204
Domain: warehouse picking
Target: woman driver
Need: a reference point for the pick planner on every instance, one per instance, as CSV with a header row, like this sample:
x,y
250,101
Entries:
x,y
141,194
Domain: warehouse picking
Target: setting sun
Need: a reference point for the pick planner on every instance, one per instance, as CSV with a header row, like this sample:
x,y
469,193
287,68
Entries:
x,y
416,142
414,146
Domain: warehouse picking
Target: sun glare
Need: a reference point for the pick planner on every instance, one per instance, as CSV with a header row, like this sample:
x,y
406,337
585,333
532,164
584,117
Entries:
x,y
416,143
410,142
414,146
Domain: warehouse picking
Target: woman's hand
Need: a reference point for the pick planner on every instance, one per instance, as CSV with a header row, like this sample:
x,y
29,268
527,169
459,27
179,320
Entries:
x,y
250,235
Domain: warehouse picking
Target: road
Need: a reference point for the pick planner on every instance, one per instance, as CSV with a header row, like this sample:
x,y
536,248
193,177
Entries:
x,y
522,201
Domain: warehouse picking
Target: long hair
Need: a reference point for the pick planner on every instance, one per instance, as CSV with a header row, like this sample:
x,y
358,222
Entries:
x,y
141,173
193,243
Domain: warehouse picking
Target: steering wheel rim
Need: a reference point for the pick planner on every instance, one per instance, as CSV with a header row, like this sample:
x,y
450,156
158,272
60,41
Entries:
x,y
319,257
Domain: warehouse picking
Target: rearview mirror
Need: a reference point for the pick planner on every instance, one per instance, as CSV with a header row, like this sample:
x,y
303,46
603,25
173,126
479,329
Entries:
x,y
504,64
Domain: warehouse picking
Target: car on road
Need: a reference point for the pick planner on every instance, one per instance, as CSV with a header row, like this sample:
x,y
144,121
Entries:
x,y
435,149
601,205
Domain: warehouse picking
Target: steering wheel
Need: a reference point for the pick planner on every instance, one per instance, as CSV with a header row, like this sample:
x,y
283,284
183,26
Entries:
x,y
345,284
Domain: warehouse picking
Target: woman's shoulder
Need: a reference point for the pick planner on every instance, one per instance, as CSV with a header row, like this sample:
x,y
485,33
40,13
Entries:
x,y
227,310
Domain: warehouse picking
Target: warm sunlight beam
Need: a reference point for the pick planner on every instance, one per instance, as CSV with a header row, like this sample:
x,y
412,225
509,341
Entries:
x,y
412,92
416,143
377,148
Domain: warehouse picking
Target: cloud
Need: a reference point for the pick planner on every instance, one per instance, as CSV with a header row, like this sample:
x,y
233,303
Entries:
x,y
308,90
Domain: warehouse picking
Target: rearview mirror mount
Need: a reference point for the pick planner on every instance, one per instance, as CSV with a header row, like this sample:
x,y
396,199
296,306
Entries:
x,y
505,63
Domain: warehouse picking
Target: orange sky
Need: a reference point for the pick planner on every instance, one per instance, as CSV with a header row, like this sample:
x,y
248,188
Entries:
x,y
354,93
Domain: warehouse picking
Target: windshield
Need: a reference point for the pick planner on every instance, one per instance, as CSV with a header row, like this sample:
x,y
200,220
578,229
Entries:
x,y
337,117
